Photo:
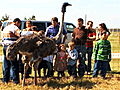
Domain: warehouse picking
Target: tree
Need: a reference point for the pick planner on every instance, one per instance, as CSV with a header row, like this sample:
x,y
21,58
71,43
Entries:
x,y
30,18
25,18
4,18
33,17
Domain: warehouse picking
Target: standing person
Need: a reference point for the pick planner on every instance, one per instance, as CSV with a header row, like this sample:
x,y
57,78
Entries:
x,y
102,56
60,64
49,65
79,37
53,30
72,59
89,44
10,35
101,29
27,31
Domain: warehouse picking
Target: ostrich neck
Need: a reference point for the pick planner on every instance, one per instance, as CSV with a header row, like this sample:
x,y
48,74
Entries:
x,y
61,26
16,48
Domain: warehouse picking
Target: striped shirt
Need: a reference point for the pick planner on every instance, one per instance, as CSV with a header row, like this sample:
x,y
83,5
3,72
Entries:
x,y
102,50
9,34
90,43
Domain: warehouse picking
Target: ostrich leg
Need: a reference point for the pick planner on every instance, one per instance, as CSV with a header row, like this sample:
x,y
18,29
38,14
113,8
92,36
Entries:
x,y
35,73
35,65
25,70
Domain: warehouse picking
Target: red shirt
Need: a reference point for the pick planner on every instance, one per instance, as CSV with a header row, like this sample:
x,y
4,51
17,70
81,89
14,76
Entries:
x,y
90,43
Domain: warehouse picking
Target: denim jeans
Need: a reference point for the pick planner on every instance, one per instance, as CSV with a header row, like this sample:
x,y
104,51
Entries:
x,y
100,65
82,57
72,70
50,69
89,57
10,67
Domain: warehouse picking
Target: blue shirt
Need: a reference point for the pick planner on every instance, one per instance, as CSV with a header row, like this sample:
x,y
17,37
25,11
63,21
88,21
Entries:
x,y
73,56
52,31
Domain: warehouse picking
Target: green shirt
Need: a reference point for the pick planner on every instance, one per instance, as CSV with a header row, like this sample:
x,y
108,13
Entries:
x,y
102,50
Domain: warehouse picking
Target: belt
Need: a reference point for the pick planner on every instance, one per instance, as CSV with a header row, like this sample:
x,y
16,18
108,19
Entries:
x,y
10,39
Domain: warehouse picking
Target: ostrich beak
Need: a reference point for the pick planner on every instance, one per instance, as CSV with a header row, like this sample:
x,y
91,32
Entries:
x,y
69,4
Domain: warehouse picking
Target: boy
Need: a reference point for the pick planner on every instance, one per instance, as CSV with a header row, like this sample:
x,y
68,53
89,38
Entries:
x,y
102,56
72,59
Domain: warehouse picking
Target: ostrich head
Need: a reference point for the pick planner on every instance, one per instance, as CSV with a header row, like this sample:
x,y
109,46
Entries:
x,y
64,6
11,52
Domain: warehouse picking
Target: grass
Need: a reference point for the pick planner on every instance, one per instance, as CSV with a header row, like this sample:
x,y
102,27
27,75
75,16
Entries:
x,y
65,83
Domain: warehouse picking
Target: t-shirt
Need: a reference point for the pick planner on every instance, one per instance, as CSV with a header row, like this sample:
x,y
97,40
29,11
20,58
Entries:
x,y
9,34
80,35
90,43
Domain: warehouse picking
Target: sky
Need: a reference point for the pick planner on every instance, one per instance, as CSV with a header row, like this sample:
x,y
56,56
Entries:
x,y
99,11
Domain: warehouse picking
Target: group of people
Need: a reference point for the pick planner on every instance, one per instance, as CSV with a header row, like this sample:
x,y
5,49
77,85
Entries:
x,y
71,58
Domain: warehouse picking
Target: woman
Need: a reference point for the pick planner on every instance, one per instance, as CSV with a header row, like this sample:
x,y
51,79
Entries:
x,y
102,29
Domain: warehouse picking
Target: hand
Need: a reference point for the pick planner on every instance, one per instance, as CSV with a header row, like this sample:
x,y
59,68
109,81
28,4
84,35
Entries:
x,y
68,56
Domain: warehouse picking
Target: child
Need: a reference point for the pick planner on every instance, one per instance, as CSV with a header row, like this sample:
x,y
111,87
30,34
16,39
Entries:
x,y
49,65
72,59
61,60
102,56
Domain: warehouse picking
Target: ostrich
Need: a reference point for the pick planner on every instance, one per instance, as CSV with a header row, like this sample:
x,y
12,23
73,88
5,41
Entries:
x,y
35,46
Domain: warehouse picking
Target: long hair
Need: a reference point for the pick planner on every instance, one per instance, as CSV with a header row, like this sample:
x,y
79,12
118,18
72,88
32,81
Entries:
x,y
103,25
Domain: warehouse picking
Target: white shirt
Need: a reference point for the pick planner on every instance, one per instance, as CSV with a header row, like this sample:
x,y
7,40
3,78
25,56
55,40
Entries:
x,y
49,58
8,29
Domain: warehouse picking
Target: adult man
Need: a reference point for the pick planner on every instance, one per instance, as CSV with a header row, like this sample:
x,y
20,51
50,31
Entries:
x,y
89,44
79,37
10,35
53,30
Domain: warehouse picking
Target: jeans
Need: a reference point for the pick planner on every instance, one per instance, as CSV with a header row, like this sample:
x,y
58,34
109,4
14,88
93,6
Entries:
x,y
50,69
89,56
72,70
10,67
82,57
100,65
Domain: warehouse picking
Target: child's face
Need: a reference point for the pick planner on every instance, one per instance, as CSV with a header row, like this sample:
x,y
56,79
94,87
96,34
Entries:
x,y
63,48
104,36
71,47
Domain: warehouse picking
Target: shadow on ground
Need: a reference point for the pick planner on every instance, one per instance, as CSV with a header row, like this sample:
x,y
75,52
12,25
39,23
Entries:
x,y
76,83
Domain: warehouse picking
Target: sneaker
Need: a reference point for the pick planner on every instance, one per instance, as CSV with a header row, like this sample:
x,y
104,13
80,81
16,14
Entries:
x,y
103,77
88,73
27,76
16,82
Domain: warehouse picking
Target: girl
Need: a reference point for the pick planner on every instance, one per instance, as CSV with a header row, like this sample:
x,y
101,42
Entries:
x,y
61,60
102,29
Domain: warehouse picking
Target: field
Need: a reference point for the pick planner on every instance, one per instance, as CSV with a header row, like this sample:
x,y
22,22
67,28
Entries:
x,y
68,83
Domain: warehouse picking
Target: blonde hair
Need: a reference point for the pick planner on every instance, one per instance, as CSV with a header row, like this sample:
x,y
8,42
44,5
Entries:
x,y
71,43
